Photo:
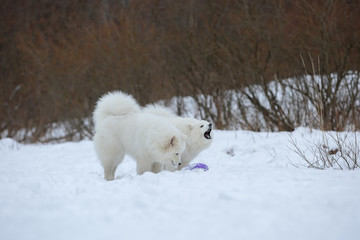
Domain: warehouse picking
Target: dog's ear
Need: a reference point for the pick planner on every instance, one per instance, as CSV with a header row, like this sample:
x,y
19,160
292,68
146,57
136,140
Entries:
x,y
188,128
173,141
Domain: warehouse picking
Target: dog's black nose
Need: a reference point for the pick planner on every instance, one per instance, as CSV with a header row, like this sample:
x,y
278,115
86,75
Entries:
x,y
179,163
210,125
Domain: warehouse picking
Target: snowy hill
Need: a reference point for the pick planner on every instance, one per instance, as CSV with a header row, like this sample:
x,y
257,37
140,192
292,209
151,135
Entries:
x,y
253,190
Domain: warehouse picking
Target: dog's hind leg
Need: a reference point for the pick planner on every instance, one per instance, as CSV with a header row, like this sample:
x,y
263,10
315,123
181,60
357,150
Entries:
x,y
109,173
109,154
111,166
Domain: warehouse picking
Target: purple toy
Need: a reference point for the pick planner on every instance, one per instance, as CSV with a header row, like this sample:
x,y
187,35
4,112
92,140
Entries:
x,y
194,166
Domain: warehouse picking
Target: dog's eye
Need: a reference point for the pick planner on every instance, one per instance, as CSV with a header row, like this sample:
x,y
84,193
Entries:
x,y
177,154
201,126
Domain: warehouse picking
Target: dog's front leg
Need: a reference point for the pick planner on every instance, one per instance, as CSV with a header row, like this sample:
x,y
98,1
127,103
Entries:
x,y
157,167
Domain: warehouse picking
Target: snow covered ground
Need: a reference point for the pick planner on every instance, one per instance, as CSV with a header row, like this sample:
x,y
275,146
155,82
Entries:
x,y
252,191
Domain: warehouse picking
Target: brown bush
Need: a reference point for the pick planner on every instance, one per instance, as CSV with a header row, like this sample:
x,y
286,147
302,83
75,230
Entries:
x,y
58,57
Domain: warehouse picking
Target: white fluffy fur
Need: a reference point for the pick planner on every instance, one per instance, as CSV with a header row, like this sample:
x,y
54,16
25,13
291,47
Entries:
x,y
194,130
121,128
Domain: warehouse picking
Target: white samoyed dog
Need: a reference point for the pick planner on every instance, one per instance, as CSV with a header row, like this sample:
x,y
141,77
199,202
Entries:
x,y
199,133
122,128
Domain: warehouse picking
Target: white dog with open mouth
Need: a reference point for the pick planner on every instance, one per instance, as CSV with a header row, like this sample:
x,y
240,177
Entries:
x,y
198,132
122,128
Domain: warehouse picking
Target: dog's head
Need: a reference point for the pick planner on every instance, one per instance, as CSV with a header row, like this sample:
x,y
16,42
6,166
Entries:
x,y
200,133
173,149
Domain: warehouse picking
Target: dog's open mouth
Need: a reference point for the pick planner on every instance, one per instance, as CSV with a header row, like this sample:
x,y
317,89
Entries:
x,y
207,134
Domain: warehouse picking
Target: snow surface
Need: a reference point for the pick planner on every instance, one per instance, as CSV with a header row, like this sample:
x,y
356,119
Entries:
x,y
256,188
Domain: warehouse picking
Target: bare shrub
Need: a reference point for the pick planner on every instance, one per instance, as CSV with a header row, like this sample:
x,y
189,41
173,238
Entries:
x,y
229,61
334,150
58,57
57,63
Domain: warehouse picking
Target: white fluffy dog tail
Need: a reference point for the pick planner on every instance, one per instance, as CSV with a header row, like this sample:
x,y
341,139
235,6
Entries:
x,y
114,103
